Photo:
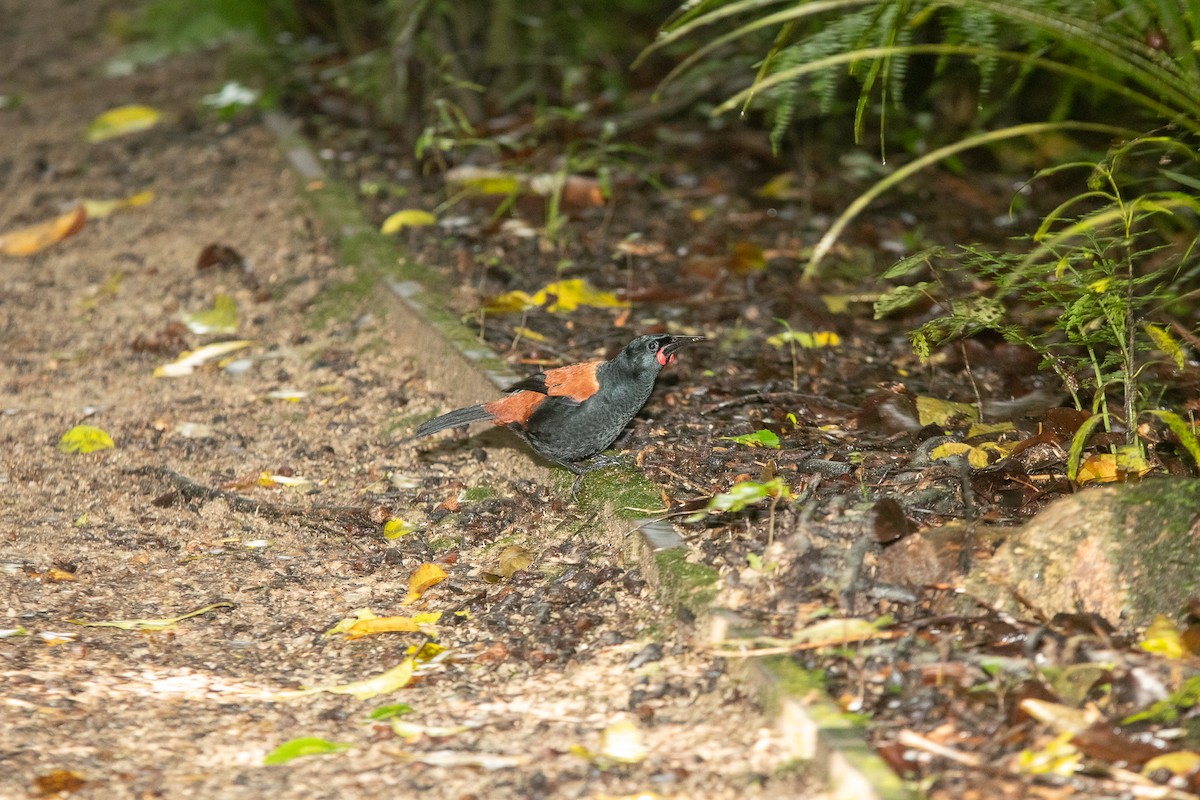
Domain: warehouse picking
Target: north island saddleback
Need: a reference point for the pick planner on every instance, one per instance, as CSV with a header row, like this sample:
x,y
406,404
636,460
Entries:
x,y
569,414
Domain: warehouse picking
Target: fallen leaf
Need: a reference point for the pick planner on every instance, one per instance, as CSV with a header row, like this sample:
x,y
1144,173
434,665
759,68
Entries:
x,y
304,746
222,318
395,528
393,680
422,579
408,218
190,359
1099,468
483,181
420,623
763,438
565,295
98,209
269,481
932,411
121,121
977,458
808,340
622,742
58,783
412,731
35,238
1184,762
1164,638
390,711
149,624
514,558
84,439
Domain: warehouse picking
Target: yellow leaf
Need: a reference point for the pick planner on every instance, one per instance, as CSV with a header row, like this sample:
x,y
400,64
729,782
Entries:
x,y
190,359
1100,286
513,559
1058,757
509,303
989,428
84,439
1164,638
570,294
35,238
807,340
1164,341
622,742
420,623
1131,458
270,481
222,318
1184,762
393,680
1100,468
422,579
408,218
976,457
932,411
483,181
121,121
783,186
566,295
838,303
529,333
97,209
395,528
150,624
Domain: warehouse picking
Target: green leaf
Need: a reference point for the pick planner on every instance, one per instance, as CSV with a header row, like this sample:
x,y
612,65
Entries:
x,y
84,439
390,711
910,264
744,494
901,297
1077,443
222,318
1164,341
763,438
1183,430
304,746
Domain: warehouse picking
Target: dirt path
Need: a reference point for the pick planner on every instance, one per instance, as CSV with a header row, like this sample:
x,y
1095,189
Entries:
x,y
537,664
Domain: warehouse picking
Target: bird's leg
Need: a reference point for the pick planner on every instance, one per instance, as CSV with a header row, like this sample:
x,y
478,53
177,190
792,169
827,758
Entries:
x,y
581,471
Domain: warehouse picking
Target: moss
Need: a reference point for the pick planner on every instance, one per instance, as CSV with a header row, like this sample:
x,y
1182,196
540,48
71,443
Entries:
x,y
624,490
843,732
1157,537
445,543
477,494
683,584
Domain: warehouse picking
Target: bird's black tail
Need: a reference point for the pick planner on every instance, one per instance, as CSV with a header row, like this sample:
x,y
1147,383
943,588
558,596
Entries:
x,y
460,416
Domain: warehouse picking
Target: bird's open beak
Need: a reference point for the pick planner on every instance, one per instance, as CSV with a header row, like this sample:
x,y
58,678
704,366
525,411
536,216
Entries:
x,y
666,353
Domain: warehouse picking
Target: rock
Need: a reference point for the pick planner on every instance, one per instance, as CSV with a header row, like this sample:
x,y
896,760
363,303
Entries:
x,y
1124,552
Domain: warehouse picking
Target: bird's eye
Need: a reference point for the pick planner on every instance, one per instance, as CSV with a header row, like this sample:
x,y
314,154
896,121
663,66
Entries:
x,y
652,345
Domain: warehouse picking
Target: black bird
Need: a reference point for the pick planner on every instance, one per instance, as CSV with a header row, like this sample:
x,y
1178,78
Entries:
x,y
571,413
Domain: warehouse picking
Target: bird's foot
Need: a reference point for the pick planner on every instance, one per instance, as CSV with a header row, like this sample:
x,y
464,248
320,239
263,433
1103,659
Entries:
x,y
581,470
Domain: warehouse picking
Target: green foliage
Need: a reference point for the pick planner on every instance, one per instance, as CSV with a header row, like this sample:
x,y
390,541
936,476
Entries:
x,y
762,438
1090,276
1133,56
744,494
304,746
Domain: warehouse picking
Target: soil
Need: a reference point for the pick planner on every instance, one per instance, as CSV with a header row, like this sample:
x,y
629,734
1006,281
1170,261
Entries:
x,y
225,493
